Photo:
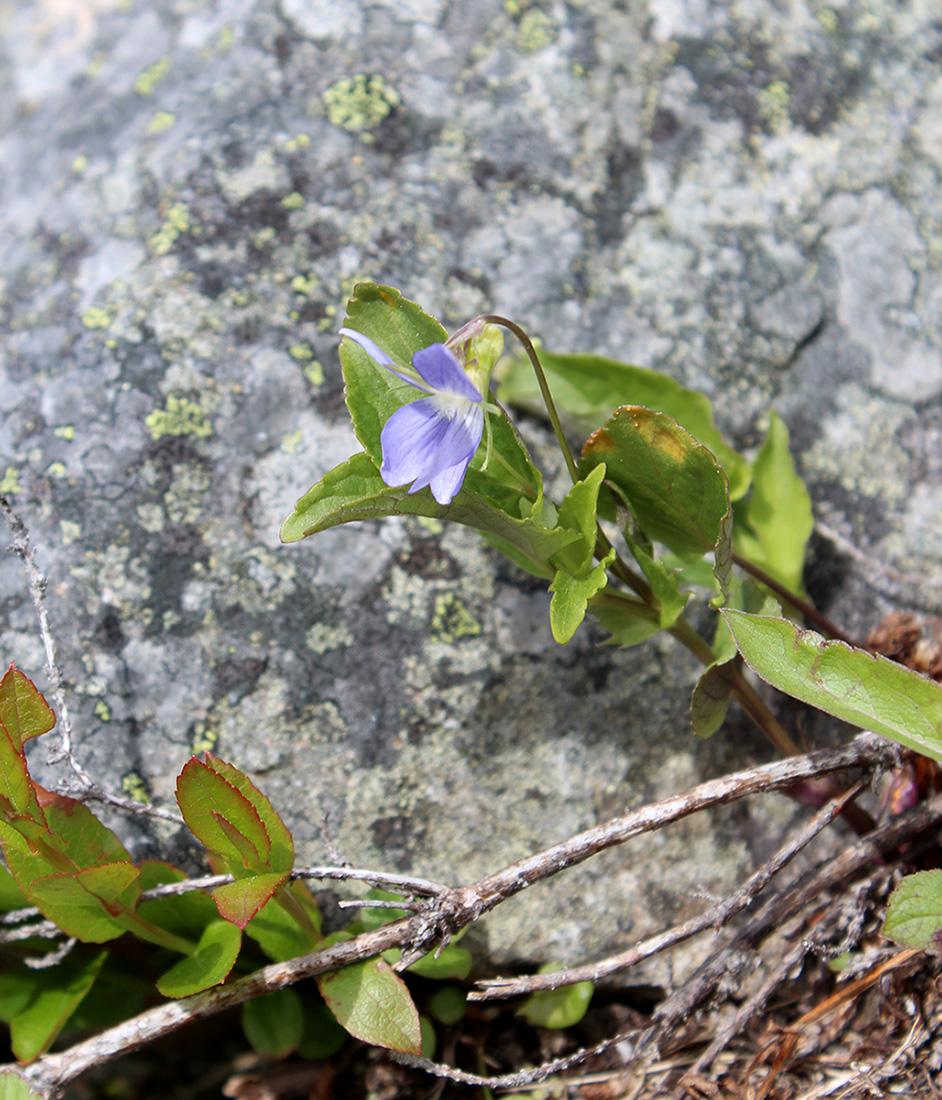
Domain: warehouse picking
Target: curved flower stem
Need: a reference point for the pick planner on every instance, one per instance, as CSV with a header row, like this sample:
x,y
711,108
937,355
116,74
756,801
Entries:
x,y
494,319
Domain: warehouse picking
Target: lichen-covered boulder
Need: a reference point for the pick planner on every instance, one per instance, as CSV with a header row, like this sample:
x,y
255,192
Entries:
x,y
748,200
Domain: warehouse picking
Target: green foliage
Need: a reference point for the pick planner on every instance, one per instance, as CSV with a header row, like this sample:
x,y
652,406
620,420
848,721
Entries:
x,y
673,485
557,1008
710,701
588,388
54,994
321,1035
274,1023
774,524
448,1004
371,1002
856,686
209,965
914,912
14,1087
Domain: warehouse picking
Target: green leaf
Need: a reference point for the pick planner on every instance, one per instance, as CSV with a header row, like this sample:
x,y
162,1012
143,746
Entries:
x,y
400,329
373,917
673,484
670,600
18,802
914,912
184,915
10,895
355,491
628,621
23,711
85,840
281,856
14,1087
322,1036
448,1005
429,1038
58,992
222,818
210,965
273,1023
239,901
710,701
277,933
578,513
773,526
557,1008
82,905
372,1003
451,962
587,388
571,595
852,684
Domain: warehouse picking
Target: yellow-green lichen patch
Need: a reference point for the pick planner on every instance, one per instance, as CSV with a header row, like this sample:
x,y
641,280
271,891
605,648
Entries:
x,y
151,517
66,432
305,284
176,222
204,738
10,483
314,373
297,143
772,102
102,711
146,84
69,531
162,120
828,19
183,499
452,620
359,104
302,352
55,469
134,787
293,201
536,32
79,164
291,442
322,638
179,416
95,317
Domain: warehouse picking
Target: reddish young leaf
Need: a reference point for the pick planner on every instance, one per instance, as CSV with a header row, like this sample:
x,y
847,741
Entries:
x,y
281,856
86,905
23,711
239,901
206,798
85,839
17,797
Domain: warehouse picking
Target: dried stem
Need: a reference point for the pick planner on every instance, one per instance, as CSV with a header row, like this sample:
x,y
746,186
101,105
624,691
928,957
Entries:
x,y
446,913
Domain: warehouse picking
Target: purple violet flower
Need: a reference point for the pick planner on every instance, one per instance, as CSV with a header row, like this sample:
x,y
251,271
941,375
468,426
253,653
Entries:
x,y
431,441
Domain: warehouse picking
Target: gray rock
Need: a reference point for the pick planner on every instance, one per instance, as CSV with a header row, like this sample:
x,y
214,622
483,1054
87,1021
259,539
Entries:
x,y
746,198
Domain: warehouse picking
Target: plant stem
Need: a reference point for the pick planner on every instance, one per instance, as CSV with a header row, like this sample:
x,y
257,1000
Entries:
x,y
292,904
796,601
528,347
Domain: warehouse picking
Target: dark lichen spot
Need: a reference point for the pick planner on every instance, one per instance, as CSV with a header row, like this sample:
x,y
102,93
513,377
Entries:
x,y
108,633
425,558
397,838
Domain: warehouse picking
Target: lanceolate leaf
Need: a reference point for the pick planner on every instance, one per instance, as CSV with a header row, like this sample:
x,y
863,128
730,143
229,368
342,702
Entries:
x,y
588,388
215,956
571,595
355,491
674,486
852,684
773,526
372,1003
914,913
58,992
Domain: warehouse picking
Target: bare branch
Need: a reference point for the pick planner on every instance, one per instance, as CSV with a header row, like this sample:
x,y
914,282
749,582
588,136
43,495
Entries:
x,y
447,913
713,918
